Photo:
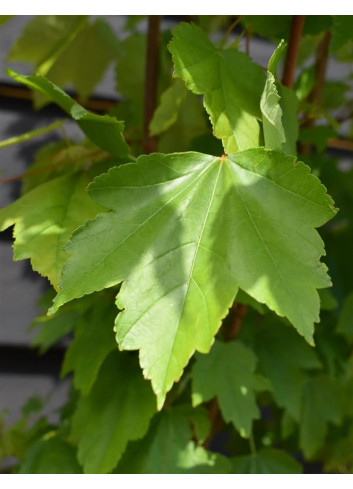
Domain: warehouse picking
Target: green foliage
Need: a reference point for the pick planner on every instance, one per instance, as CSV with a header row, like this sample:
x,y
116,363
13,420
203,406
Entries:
x,y
321,404
50,455
202,260
266,461
118,409
235,390
67,49
45,218
105,131
167,449
231,82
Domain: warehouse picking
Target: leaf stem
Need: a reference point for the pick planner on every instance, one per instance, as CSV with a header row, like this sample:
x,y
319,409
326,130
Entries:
x,y
293,49
252,444
230,28
30,134
151,79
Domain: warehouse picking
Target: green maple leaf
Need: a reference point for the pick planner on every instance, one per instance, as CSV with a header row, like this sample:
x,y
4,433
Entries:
x,y
228,372
185,231
45,218
117,409
231,82
167,448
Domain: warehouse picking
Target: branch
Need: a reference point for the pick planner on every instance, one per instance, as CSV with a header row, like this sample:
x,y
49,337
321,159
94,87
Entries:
x,y
320,68
314,97
293,49
151,79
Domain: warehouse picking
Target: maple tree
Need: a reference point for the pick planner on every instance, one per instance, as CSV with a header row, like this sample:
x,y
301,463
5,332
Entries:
x,y
182,247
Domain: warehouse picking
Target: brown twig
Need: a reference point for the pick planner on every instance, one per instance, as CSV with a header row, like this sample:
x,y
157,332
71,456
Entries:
x,y
230,28
316,93
344,144
22,93
216,421
293,49
151,79
320,69
238,315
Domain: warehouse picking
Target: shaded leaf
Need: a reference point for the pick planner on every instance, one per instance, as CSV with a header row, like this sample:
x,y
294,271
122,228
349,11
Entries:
x,y
228,372
84,61
266,461
167,449
93,341
284,358
166,113
321,404
341,31
222,223
178,119
50,456
45,218
104,130
328,300
345,322
44,36
67,49
289,105
53,329
317,135
231,82
117,409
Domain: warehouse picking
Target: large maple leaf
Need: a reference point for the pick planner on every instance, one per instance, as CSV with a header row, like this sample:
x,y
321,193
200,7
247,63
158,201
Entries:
x,y
185,231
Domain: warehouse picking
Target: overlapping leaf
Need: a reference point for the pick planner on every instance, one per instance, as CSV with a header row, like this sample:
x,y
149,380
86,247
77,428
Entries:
x,y
284,358
279,109
45,218
178,119
67,49
93,341
48,456
322,403
117,409
231,82
345,323
228,372
104,130
184,232
167,448
266,461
